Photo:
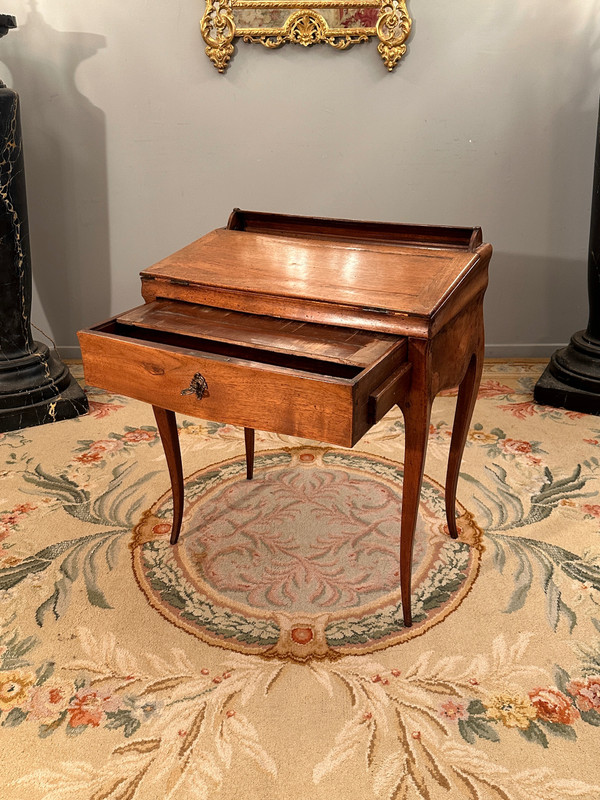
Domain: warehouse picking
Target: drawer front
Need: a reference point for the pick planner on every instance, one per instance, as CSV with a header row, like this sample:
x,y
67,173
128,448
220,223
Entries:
x,y
246,393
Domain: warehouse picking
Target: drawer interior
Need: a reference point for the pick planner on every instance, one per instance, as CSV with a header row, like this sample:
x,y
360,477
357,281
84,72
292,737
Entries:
x,y
342,353
234,351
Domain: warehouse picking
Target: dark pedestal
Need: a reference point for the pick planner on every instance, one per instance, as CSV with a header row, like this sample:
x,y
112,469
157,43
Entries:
x,y
35,387
572,378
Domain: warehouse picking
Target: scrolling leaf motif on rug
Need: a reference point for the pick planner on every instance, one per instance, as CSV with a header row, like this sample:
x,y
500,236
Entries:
x,y
501,509
187,727
78,558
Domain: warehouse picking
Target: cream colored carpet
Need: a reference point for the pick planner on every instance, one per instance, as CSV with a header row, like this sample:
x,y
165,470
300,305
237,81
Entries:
x,y
264,656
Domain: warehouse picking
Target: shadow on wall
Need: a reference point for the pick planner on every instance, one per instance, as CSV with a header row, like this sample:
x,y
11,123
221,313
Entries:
x,y
64,138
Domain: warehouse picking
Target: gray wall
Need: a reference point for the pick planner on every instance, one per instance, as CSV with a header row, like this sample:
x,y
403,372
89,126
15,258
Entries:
x,y
135,145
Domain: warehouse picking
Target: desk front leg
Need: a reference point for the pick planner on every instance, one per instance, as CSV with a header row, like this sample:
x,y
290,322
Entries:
x,y
416,408
167,428
416,425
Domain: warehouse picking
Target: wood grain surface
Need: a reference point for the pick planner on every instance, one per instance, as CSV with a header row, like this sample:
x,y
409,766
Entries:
x,y
392,278
342,345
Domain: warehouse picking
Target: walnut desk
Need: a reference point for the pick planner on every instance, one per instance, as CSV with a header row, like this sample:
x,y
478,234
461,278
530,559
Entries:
x,y
308,327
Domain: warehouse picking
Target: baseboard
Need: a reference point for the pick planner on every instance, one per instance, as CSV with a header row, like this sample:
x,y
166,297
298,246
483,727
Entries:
x,y
68,353
521,350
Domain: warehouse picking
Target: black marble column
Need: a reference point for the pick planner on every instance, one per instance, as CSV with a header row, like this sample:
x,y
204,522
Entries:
x,y
35,387
572,378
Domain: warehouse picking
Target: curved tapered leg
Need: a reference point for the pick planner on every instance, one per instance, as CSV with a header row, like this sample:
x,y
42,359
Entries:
x,y
416,425
167,428
467,395
249,443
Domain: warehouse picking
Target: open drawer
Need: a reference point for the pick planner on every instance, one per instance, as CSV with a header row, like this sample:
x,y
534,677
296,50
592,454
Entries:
x,y
313,381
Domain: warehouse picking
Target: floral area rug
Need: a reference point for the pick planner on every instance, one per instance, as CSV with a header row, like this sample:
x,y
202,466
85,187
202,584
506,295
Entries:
x,y
265,656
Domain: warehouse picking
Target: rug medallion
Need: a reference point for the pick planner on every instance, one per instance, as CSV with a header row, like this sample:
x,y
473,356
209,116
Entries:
x,y
302,562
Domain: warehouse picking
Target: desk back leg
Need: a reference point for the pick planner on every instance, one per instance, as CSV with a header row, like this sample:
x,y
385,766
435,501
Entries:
x,y
467,395
249,443
417,414
167,428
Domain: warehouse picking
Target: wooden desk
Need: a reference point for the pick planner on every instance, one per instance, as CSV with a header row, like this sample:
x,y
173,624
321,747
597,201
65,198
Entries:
x,y
308,327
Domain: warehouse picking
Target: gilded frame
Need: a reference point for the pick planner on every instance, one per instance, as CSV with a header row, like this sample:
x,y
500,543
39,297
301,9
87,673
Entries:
x,y
304,25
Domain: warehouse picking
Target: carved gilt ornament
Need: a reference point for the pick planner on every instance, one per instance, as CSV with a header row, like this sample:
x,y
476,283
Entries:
x,y
273,23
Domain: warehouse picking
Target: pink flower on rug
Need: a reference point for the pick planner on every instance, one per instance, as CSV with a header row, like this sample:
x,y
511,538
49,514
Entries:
x,y
139,435
100,410
452,710
9,519
89,457
553,706
593,510
591,441
515,446
24,508
106,446
586,693
48,701
89,707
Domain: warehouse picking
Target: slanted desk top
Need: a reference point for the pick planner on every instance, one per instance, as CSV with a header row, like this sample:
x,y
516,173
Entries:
x,y
396,278
309,327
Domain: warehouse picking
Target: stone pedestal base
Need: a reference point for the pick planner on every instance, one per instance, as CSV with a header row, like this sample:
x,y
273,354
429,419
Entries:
x,y
37,389
572,378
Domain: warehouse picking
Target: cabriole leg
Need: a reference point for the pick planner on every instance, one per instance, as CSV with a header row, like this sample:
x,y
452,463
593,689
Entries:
x,y
167,428
467,395
416,425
